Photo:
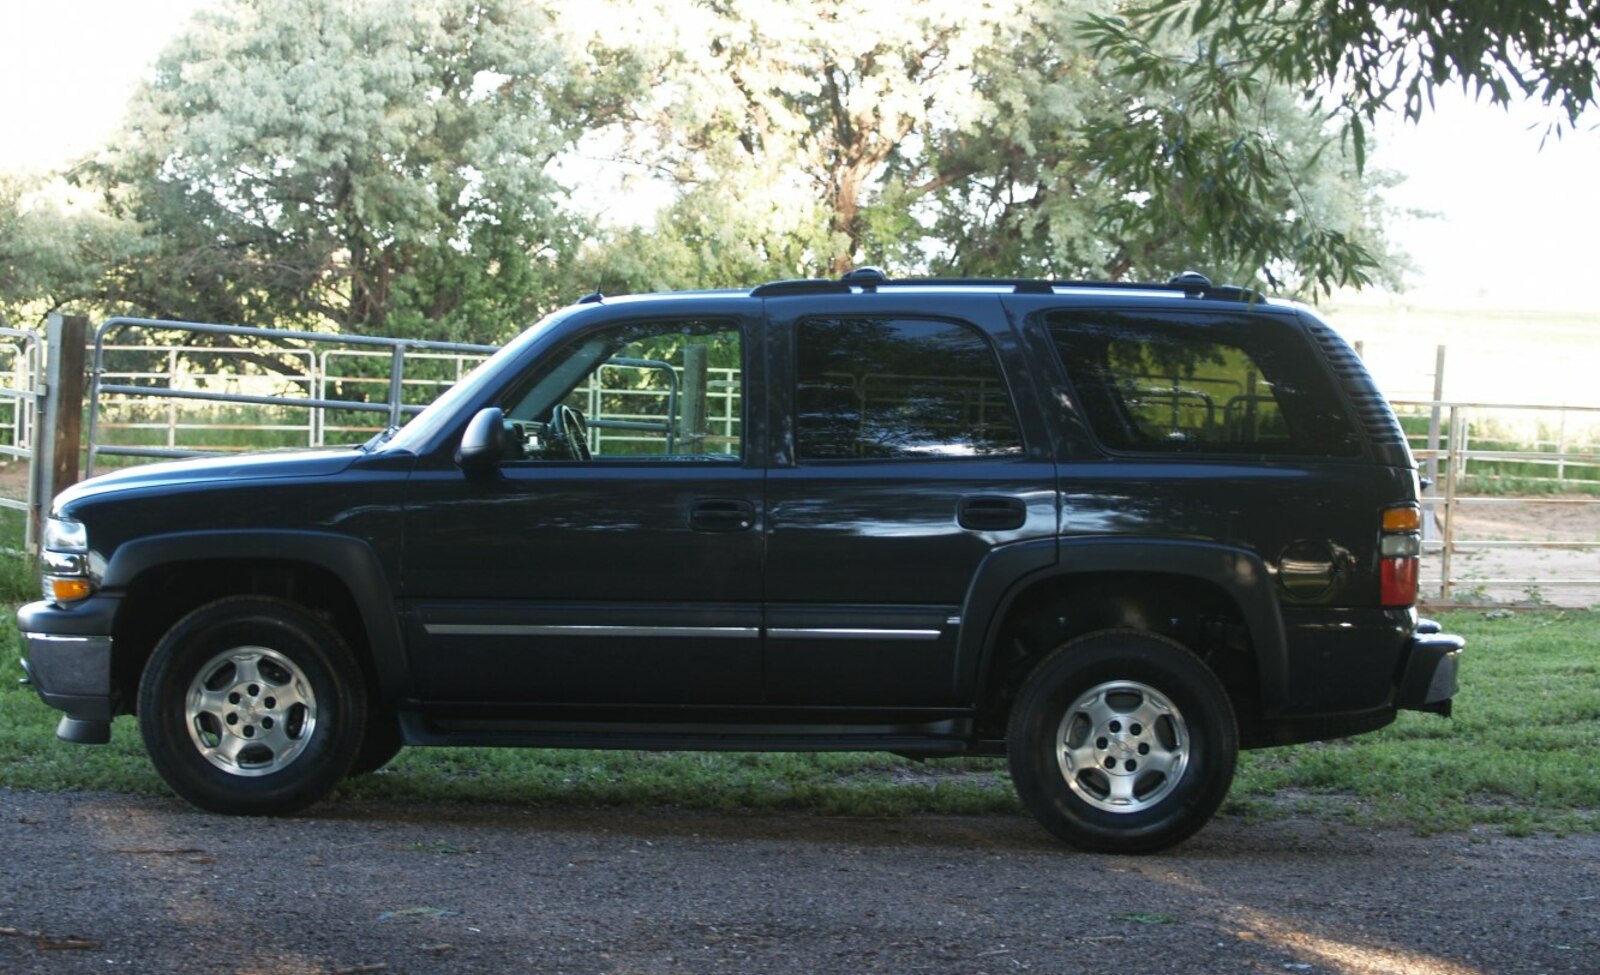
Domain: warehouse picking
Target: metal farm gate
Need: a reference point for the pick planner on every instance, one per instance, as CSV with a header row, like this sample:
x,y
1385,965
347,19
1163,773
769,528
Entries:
x,y
163,389
21,369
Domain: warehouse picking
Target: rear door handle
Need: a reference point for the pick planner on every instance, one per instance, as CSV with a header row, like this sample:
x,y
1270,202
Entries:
x,y
722,515
991,512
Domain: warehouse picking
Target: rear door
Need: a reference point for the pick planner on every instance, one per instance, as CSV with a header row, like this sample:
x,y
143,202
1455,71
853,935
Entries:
x,y
901,462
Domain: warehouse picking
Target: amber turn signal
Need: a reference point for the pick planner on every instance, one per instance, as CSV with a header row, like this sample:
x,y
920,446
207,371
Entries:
x,y
1406,519
67,590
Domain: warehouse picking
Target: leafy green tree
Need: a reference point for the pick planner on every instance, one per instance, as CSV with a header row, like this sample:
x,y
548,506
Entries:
x,y
55,251
378,166
1365,58
1082,169
953,138
776,121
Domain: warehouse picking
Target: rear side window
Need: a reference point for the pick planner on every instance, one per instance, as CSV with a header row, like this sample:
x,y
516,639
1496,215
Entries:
x,y
881,388
1228,384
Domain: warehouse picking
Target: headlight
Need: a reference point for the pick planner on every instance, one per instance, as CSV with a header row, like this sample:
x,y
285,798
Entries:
x,y
65,535
65,556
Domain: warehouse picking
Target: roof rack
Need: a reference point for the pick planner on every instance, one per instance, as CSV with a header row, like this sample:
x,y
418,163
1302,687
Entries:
x,y
870,279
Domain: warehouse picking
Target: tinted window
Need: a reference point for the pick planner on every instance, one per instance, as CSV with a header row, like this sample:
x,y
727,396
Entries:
x,y
1203,384
899,388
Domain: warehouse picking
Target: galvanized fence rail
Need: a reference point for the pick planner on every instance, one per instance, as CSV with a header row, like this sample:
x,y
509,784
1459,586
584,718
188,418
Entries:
x,y
1570,460
305,390
21,378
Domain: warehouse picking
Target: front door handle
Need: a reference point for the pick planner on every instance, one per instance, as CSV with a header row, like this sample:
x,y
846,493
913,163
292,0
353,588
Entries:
x,y
722,515
991,513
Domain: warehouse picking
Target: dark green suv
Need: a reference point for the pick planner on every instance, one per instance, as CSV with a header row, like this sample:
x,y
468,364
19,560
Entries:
x,y
1112,532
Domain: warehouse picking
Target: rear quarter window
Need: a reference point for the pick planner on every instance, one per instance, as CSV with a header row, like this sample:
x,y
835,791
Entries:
x,y
1201,384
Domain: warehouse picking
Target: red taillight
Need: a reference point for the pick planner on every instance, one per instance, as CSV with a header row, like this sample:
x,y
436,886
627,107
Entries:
x,y
1399,545
1398,582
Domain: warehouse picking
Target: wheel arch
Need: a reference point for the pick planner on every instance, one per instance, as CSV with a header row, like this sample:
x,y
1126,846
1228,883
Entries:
x,y
168,576
1114,583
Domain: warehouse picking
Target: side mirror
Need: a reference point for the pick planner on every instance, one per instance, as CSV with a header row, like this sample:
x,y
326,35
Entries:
x,y
483,445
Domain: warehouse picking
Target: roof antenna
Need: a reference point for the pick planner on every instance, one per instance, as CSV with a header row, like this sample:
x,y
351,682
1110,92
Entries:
x,y
594,297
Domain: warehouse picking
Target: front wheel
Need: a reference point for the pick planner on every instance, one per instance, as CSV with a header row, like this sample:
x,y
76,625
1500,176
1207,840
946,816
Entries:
x,y
1122,742
252,706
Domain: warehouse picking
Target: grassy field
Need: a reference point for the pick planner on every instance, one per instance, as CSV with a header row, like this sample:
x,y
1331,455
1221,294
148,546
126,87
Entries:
x,y
1493,355
1520,756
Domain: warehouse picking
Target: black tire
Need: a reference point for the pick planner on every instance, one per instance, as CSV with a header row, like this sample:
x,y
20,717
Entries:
x,y
1122,742
381,744
252,706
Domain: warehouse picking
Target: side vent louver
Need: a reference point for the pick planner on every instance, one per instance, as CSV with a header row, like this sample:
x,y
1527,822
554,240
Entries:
x,y
1373,410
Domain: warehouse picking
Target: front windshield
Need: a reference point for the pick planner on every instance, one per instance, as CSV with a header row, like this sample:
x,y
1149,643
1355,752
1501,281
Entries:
x,y
427,424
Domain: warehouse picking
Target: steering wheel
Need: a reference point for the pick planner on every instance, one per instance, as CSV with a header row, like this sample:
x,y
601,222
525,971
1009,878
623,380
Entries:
x,y
567,425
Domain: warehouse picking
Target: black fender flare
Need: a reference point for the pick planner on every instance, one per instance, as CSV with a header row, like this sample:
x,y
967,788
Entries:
x,y
352,560
1241,574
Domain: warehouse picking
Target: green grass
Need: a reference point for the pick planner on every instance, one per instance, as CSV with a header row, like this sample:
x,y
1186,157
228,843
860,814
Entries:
x,y
1518,757
19,578
1520,753
1514,486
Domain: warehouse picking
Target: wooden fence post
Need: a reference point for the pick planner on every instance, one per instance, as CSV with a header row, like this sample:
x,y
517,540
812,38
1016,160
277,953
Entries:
x,y
60,434
695,359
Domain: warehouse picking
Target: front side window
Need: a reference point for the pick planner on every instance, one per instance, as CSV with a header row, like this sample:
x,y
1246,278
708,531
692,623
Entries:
x,y
657,390
894,388
1201,384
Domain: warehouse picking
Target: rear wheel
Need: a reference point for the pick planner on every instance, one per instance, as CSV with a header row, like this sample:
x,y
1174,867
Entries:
x,y
1122,742
253,706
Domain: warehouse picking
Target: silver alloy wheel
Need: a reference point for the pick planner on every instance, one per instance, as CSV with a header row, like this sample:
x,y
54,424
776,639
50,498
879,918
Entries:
x,y
250,711
1122,746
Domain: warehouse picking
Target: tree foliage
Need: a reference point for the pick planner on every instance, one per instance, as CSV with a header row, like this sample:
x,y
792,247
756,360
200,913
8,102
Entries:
x,y
1368,57
55,250
980,140
1075,172
409,167
382,167
776,124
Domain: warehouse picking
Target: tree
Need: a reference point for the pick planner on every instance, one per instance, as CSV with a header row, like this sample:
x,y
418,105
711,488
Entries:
x,y
958,138
776,121
1105,172
1366,56
55,250
378,166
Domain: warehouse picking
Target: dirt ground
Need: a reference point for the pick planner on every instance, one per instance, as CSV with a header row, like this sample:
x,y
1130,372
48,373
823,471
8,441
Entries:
x,y
13,480
95,883
1523,574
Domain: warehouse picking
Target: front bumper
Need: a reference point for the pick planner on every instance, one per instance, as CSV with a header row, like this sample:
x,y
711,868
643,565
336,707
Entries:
x,y
67,656
1432,661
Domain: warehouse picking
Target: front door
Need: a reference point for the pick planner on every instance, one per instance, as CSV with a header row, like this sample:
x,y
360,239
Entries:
x,y
618,561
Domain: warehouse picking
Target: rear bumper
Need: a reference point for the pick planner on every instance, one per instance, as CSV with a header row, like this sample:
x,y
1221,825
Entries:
x,y
1432,660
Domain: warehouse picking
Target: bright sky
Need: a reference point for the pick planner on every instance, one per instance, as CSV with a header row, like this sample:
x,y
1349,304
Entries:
x,y
1516,220
1514,227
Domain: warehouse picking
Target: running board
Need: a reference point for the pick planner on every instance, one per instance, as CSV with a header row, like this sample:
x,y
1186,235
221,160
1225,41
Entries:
x,y
950,737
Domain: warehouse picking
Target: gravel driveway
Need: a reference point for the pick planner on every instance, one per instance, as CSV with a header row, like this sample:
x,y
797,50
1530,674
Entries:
x,y
99,883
